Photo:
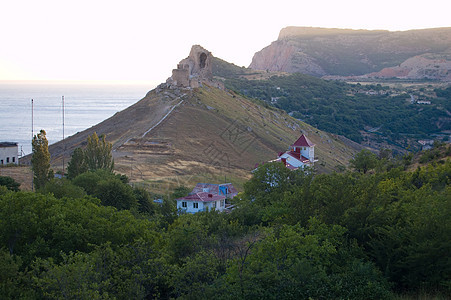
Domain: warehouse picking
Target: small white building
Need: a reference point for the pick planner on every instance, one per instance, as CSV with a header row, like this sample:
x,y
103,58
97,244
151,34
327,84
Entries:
x,y
300,154
201,202
207,196
9,153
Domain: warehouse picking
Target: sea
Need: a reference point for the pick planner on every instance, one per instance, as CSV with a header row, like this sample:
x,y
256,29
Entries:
x,y
26,107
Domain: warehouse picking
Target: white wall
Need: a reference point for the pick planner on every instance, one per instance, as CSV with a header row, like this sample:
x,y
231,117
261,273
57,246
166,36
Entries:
x,y
9,152
309,152
202,206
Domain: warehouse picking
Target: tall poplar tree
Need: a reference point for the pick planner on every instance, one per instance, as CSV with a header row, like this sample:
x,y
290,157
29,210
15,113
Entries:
x,y
40,160
77,164
98,153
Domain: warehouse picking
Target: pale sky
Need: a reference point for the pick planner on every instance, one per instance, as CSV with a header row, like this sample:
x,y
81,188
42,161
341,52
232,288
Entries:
x,y
144,40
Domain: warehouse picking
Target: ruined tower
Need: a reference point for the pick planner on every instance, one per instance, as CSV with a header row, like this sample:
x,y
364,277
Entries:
x,y
194,70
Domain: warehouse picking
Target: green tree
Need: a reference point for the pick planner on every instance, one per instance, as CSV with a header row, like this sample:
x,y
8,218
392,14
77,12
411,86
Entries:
x,y
97,153
364,161
10,183
90,180
180,191
40,160
145,203
77,164
113,192
62,188
294,262
13,281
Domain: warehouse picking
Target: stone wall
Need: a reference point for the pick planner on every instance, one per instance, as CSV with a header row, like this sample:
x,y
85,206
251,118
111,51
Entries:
x,y
194,70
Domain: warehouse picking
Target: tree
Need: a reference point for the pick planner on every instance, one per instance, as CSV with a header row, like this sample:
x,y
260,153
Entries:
x,y
10,183
314,262
364,161
40,160
90,180
77,164
113,192
180,191
98,154
145,204
62,188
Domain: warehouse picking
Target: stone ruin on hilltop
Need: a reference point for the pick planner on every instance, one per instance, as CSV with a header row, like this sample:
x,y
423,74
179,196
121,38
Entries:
x,y
194,70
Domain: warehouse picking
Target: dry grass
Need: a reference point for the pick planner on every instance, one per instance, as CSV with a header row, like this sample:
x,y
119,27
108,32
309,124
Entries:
x,y
21,174
213,136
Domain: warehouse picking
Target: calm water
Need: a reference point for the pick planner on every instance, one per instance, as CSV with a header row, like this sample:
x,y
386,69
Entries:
x,y
85,104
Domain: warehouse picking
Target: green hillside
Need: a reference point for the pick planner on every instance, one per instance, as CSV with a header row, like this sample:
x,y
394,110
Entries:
x,y
355,111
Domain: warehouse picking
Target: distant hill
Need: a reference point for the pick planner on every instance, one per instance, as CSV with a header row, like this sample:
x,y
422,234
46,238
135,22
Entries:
x,y
182,135
371,114
412,54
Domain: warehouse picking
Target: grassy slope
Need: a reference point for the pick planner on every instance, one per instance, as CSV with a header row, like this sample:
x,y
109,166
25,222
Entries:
x,y
212,136
216,136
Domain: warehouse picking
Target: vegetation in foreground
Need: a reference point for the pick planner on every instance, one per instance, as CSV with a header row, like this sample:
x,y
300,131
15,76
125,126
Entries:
x,y
371,233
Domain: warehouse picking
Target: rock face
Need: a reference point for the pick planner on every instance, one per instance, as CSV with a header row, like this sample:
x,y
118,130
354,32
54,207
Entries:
x,y
417,67
194,70
417,54
284,57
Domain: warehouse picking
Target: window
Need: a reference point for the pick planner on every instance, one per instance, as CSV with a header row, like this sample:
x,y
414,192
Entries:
x,y
195,205
14,159
184,204
7,160
222,203
214,204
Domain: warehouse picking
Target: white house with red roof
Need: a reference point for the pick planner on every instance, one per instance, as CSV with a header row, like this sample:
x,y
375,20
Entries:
x,y
206,196
201,202
300,154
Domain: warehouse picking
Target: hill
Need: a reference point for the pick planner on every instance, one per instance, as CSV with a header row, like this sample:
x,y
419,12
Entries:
x,y
412,54
180,135
391,116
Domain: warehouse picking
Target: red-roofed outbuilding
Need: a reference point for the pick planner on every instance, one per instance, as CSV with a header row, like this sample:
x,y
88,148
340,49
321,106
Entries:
x,y
300,154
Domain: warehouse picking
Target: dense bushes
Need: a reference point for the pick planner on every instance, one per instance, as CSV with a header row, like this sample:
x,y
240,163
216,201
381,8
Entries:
x,y
293,235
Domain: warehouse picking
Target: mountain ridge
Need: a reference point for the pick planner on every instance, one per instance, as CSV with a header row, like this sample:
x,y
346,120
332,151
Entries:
x,y
348,52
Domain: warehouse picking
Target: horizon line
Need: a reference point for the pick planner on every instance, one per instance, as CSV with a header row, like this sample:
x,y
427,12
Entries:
x,y
78,81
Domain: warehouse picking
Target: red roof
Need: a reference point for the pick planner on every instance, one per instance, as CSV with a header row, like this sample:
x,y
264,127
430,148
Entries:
x,y
303,141
298,156
202,197
215,189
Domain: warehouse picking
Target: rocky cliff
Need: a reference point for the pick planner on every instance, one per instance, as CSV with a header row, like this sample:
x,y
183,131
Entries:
x,y
413,54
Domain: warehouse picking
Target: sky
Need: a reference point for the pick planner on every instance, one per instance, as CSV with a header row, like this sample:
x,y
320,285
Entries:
x,y
138,40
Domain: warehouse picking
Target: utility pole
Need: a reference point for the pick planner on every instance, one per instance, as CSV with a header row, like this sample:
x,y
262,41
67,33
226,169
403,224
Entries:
x,y
32,120
32,136
64,152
